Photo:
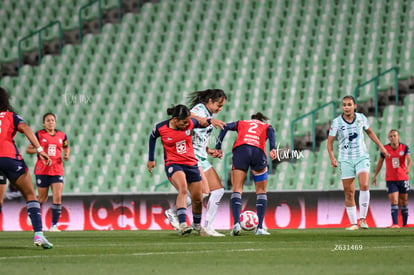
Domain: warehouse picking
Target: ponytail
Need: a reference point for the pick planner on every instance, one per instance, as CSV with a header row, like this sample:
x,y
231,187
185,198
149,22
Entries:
x,y
179,111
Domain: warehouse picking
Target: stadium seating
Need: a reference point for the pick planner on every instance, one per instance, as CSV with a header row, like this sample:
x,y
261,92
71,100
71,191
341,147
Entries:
x,y
284,58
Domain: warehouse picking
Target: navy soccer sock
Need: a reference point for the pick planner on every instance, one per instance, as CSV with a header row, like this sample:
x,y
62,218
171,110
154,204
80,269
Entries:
x,y
56,210
236,206
196,218
261,203
394,213
404,214
33,210
182,215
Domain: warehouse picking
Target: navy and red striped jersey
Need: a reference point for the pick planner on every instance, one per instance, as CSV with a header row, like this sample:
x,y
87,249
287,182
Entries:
x,y
9,122
395,164
251,132
53,146
178,144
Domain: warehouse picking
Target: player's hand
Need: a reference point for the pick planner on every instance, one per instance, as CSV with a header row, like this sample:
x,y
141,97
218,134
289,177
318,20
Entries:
x,y
385,152
66,157
217,123
45,158
374,181
219,153
334,163
150,166
273,154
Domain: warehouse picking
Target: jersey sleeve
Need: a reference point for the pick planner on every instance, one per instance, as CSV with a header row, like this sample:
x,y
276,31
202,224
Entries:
x,y
232,126
17,120
196,123
407,150
365,123
272,137
151,143
334,128
65,142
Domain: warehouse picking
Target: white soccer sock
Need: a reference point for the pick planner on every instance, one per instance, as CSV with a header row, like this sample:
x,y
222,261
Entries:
x,y
213,205
363,203
351,211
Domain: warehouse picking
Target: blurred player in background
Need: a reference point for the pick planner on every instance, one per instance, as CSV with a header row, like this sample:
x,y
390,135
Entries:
x,y
353,160
204,104
54,142
180,162
397,169
13,166
249,150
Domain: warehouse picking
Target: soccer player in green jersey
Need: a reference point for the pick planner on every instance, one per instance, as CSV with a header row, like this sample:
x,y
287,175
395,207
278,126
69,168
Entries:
x,y
353,160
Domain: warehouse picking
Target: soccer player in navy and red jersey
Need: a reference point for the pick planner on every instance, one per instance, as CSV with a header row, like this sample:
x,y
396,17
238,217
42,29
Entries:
x,y
180,162
397,169
54,142
13,166
249,150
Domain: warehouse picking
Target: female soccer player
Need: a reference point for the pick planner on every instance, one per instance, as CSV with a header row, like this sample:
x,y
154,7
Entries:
x,y
204,104
54,141
13,166
249,150
353,160
397,169
180,162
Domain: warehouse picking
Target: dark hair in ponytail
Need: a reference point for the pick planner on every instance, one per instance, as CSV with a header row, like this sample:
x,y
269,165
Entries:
x,y
5,101
179,111
205,96
259,116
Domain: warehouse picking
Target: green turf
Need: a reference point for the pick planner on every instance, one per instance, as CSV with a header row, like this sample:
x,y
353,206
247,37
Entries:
x,y
311,251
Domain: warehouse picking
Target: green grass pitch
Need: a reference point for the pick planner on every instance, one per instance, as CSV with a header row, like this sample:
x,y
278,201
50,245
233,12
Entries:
x,y
287,251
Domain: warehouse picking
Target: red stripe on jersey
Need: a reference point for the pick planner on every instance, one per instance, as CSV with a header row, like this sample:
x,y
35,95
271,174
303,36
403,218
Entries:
x,y
8,128
178,145
252,132
396,163
52,145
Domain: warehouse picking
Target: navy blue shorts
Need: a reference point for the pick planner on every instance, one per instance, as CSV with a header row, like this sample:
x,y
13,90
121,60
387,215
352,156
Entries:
x,y
246,156
192,173
401,186
46,181
12,168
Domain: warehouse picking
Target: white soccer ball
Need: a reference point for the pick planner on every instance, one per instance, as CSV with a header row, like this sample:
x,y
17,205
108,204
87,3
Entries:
x,y
249,220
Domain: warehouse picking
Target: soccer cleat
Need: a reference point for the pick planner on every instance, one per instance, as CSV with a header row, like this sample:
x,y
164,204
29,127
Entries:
x,y
40,240
184,230
261,231
210,232
236,230
54,228
196,227
172,218
352,227
394,226
363,224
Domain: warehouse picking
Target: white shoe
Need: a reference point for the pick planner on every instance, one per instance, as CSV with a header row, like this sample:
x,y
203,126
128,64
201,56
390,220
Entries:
x,y
363,224
352,227
261,231
196,227
172,218
210,232
236,230
184,230
54,228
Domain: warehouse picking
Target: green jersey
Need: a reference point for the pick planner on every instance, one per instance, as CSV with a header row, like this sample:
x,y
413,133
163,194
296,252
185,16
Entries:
x,y
350,136
201,136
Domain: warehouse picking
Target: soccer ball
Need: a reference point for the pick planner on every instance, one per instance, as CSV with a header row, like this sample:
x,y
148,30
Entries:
x,y
249,220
